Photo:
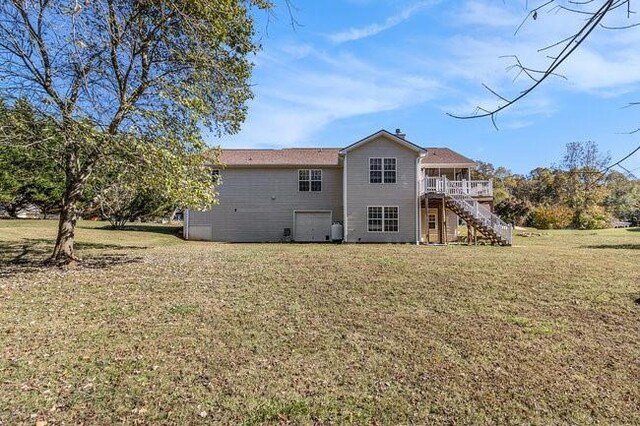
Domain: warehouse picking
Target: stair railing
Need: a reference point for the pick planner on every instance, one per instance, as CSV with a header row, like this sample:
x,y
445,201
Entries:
x,y
458,192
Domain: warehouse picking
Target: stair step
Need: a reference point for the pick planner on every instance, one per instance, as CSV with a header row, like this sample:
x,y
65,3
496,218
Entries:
x,y
469,216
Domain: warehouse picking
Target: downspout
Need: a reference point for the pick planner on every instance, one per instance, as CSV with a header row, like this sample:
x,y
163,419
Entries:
x,y
186,224
345,231
418,224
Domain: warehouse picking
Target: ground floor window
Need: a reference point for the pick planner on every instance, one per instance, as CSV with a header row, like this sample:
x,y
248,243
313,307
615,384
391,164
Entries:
x,y
383,219
432,221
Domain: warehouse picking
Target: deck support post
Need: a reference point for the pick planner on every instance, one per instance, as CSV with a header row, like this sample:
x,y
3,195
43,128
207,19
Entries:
x,y
443,224
426,208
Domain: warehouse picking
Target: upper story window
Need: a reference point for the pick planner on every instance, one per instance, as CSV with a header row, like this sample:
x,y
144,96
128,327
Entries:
x,y
382,170
215,176
310,180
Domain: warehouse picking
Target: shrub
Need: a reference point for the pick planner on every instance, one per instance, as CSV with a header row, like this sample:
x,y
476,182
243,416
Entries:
x,y
592,218
551,217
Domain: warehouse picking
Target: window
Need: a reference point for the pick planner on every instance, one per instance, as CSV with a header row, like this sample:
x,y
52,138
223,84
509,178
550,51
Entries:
x,y
375,170
432,221
310,180
316,180
389,170
215,176
375,219
391,219
382,219
382,170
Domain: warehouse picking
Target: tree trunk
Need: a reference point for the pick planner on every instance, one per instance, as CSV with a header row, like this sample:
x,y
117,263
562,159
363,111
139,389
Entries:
x,y
63,252
172,218
12,210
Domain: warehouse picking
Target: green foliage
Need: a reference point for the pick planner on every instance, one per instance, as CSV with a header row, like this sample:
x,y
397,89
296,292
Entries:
x,y
551,217
513,210
29,171
623,199
581,185
540,187
149,183
486,171
595,217
545,197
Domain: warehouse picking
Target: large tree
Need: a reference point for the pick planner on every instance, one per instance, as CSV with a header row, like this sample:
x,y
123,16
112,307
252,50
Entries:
x,y
115,75
582,186
623,197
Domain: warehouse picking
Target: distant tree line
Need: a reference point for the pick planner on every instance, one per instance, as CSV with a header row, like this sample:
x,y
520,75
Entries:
x,y
578,193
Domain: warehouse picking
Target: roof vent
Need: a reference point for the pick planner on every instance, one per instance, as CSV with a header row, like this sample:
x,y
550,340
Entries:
x,y
400,134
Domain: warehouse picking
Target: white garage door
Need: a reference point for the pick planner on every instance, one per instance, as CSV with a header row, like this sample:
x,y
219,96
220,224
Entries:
x,y
312,226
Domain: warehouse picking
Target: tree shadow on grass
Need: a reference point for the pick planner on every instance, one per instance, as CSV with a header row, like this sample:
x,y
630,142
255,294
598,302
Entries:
x,y
30,255
633,229
615,246
158,229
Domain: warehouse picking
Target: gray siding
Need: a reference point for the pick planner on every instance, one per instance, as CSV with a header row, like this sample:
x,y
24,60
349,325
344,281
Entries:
x,y
256,204
361,193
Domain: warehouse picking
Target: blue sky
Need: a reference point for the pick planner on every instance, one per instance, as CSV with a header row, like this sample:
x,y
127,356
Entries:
x,y
352,67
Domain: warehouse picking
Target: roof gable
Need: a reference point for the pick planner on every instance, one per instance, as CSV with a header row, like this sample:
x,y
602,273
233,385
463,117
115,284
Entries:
x,y
388,135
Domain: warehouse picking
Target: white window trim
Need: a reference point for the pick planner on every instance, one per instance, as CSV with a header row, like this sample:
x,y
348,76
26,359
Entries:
x,y
321,180
383,219
435,221
383,182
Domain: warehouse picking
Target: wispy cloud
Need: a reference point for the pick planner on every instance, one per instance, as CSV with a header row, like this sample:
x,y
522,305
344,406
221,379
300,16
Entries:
x,y
608,63
536,105
355,33
322,89
306,85
488,15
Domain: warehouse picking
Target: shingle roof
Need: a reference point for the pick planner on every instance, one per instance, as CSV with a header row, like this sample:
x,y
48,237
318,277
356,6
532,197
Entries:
x,y
319,157
445,156
281,157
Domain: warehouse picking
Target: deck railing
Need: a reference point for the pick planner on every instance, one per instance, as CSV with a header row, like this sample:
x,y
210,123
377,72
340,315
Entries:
x,y
474,188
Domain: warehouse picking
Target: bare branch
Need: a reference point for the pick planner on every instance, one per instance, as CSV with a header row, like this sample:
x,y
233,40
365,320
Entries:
x,y
570,45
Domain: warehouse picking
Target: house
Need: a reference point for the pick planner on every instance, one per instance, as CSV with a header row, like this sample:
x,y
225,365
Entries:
x,y
381,189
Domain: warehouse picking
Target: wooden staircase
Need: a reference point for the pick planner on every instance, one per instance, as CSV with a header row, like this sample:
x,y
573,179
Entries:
x,y
457,199
489,224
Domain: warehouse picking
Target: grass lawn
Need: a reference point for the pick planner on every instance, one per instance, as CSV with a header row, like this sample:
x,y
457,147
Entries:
x,y
152,329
